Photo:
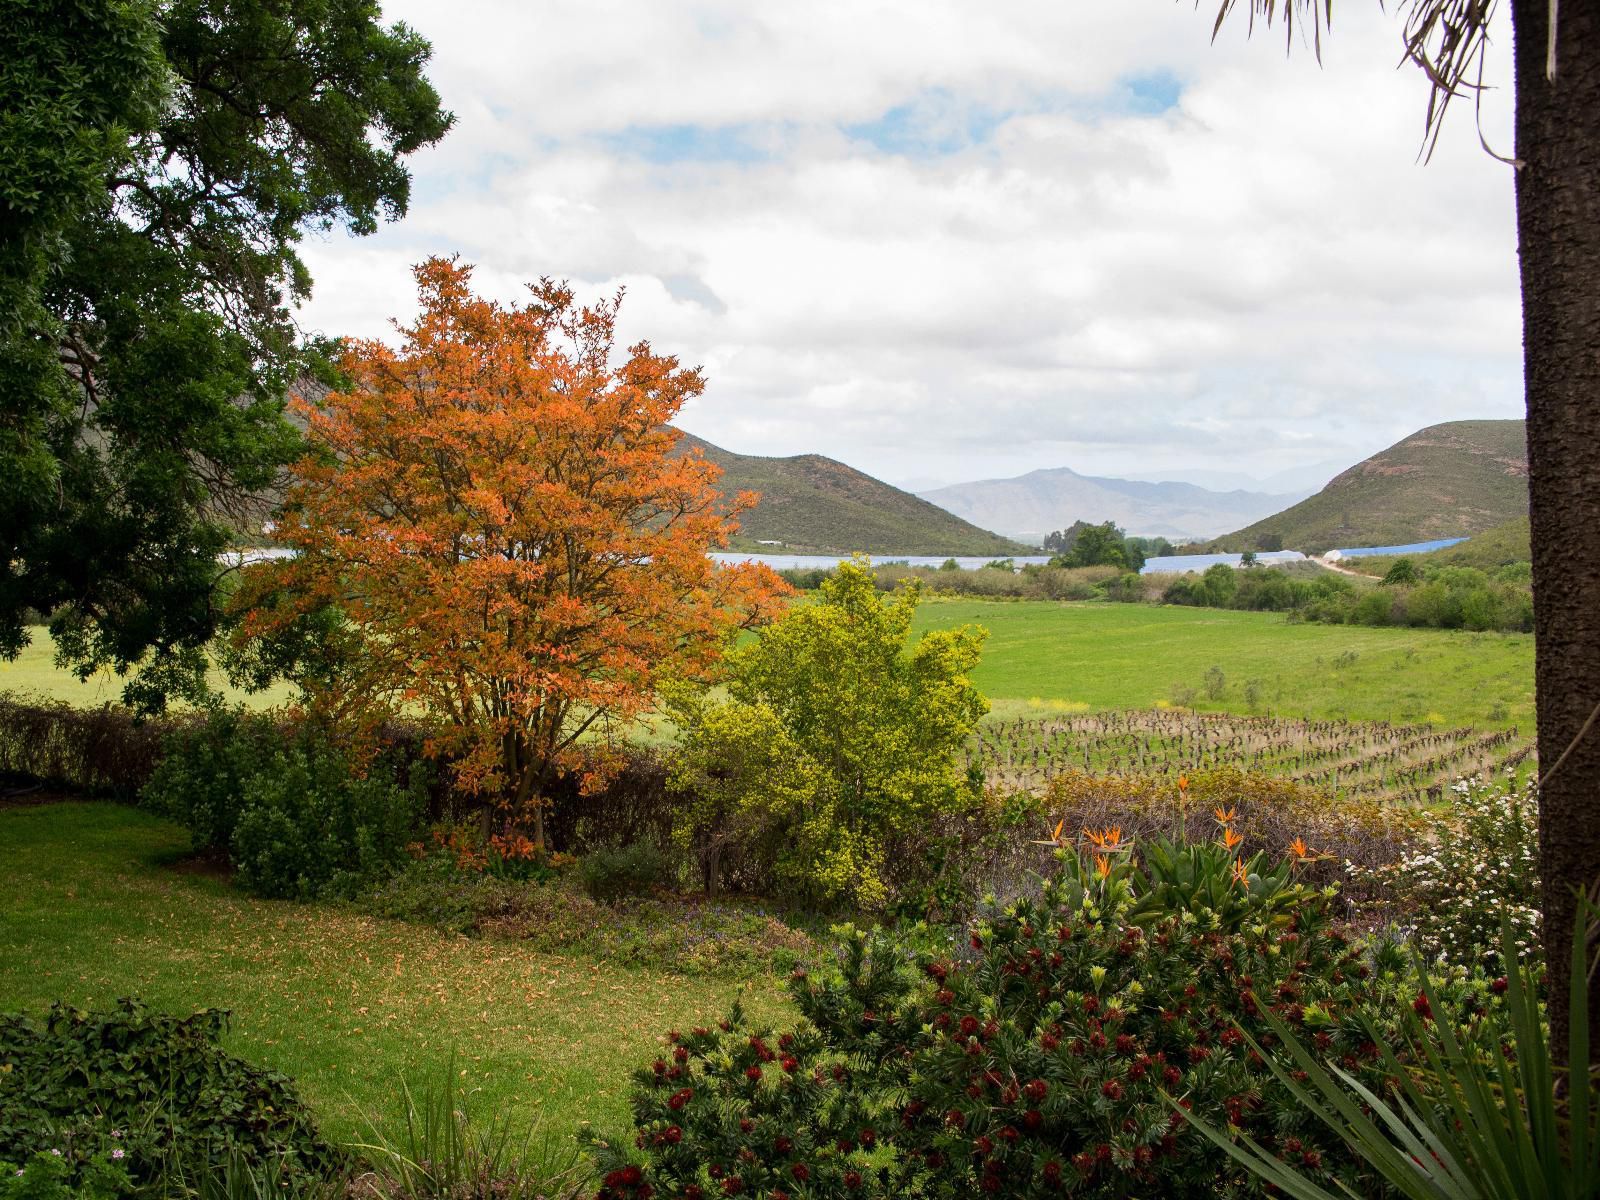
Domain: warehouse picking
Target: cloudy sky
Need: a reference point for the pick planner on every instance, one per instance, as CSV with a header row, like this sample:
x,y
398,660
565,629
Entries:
x,y
944,241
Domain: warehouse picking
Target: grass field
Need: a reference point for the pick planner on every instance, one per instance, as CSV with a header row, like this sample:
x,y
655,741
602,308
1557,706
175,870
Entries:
x,y
1043,656
344,1004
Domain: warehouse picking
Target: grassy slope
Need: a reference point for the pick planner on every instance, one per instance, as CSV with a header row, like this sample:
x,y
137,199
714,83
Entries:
x,y
1449,480
814,504
1131,656
342,1003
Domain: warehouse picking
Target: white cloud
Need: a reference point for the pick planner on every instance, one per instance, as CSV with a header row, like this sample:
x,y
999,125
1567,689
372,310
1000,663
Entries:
x,y
940,240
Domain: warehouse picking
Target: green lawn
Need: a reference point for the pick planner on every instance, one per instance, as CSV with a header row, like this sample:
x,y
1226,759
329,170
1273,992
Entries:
x,y
1132,655
344,1004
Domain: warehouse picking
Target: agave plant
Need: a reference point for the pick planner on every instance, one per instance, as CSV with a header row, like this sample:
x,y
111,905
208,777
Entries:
x,y
1469,1125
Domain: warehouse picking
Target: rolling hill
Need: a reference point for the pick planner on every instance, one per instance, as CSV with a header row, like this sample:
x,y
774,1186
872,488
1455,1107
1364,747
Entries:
x,y
1452,480
1032,505
812,504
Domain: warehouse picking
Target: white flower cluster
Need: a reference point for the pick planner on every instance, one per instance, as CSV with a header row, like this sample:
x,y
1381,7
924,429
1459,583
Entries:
x,y
1478,866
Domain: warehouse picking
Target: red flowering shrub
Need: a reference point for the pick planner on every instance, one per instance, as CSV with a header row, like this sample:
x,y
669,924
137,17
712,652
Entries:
x,y
1056,1057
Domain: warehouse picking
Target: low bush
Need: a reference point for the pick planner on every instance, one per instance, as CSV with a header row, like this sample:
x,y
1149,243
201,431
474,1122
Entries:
x,y
1476,865
102,751
612,873
146,1093
1038,1060
292,813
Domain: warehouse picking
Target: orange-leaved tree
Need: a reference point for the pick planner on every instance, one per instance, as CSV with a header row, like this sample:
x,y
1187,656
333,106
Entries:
x,y
494,527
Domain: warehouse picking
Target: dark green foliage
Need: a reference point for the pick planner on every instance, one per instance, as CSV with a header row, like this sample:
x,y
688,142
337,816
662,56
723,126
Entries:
x,y
1039,1062
157,1087
1085,545
162,164
1432,597
612,873
1403,571
289,809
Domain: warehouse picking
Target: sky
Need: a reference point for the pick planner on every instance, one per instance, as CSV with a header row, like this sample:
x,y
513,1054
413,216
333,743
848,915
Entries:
x,y
942,241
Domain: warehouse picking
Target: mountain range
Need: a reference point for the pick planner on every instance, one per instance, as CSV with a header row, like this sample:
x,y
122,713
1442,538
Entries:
x,y
1029,506
816,505
1451,480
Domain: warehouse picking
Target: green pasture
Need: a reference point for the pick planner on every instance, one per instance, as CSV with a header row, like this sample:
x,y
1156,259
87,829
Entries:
x,y
346,1005
1043,655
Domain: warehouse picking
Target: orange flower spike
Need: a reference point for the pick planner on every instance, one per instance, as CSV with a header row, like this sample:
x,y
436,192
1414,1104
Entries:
x,y
1240,875
1230,839
1108,839
1102,866
1056,836
1225,816
1299,849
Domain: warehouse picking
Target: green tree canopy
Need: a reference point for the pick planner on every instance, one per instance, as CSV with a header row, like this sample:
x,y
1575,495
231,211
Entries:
x,y
839,736
163,160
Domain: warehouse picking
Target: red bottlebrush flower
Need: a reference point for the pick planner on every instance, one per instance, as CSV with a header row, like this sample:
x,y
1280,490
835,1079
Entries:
x,y
1111,1090
1142,1156
673,1036
783,1145
1032,1120
1052,1171
969,1026
679,1098
1036,1090
1421,1006
942,1021
631,1175
1126,1046
673,1134
1091,1004
701,1031
868,1138
975,1090
675,1073
974,1048
838,1072
915,1107
732,1185
789,1063
679,1054
752,1073
1499,986
746,1124
845,1145
977,942
1198,1054
693,1192
852,1179
1136,1071
1049,1041
801,1172
939,971
1009,1134
1083,1163
725,1025
990,1183
659,1066
1097,1040
785,1041
984,1145
944,997
761,1050
955,1118
991,1028
934,1159
1102,1152
1311,1159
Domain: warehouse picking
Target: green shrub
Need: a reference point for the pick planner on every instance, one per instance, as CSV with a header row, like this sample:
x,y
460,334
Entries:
x,y
56,1174
612,873
145,1092
290,810
1039,1062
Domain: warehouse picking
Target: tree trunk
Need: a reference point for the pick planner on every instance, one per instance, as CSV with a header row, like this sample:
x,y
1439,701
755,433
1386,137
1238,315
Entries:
x,y
1558,234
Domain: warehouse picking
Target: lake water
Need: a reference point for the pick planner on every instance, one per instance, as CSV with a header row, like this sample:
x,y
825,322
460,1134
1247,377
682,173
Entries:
x,y
1179,563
